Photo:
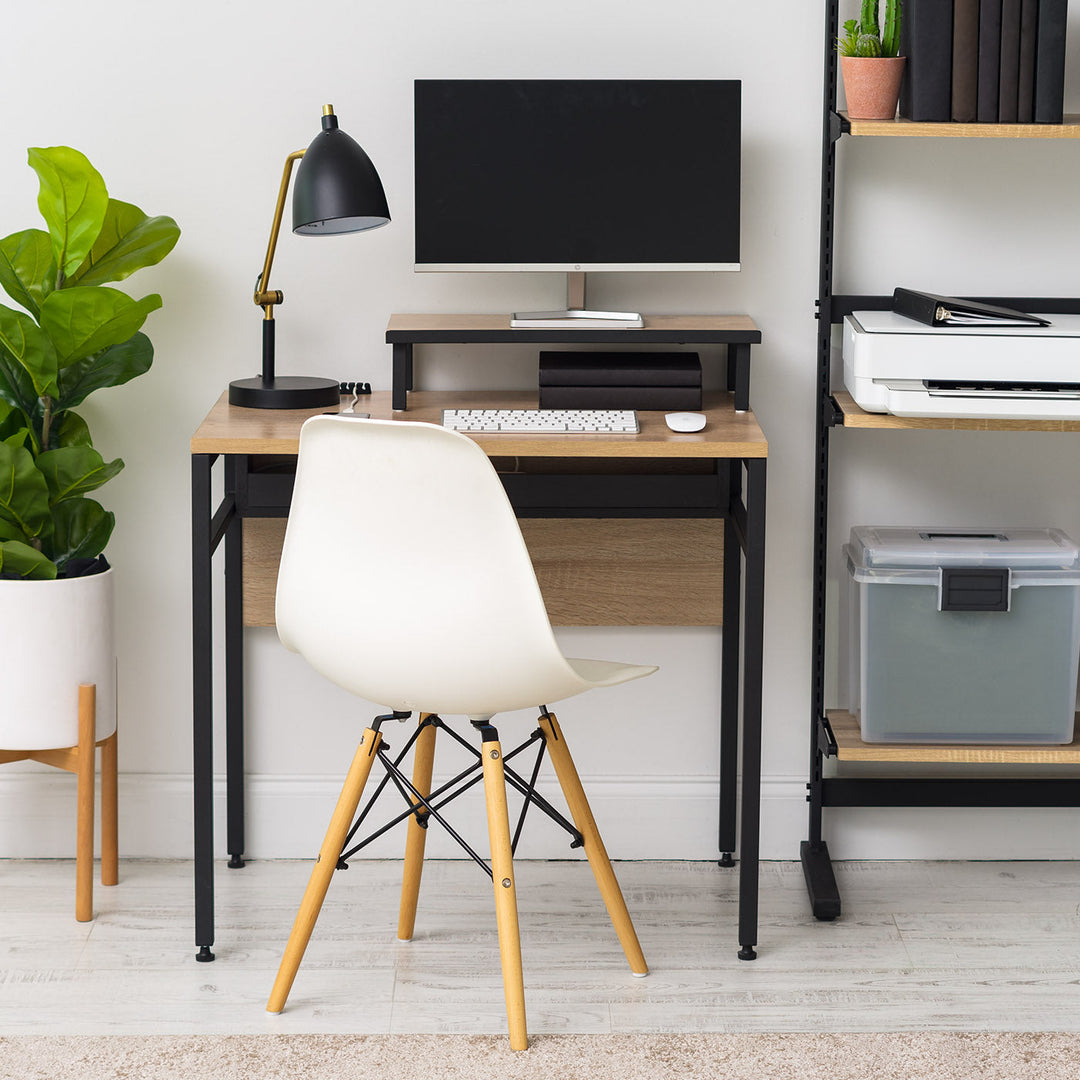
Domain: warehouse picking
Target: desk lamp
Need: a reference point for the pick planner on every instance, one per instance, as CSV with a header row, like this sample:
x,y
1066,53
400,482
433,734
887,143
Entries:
x,y
337,190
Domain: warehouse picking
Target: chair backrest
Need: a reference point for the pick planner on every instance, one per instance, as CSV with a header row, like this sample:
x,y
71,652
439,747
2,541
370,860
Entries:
x,y
404,577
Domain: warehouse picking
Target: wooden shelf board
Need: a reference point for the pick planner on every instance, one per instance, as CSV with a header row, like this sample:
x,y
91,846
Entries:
x,y
900,128
850,747
854,417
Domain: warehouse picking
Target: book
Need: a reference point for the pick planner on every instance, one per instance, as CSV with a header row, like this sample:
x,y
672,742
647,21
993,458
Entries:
x,y
620,369
926,39
621,397
1009,68
965,60
934,310
989,60
1025,82
1050,61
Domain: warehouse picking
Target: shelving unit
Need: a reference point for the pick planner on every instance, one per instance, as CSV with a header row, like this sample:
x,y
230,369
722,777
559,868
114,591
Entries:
x,y
836,734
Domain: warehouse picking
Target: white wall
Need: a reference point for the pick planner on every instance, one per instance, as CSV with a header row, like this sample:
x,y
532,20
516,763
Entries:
x,y
191,110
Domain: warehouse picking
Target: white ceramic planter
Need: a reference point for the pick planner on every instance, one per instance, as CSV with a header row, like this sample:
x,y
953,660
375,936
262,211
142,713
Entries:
x,y
55,635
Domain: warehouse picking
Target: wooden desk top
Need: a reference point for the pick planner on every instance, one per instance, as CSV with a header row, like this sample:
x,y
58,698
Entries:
x,y
229,429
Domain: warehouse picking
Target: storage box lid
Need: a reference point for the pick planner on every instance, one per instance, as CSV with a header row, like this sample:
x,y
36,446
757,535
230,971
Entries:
x,y
894,547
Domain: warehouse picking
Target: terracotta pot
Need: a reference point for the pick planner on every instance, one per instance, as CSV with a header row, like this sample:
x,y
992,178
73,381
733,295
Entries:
x,y
872,85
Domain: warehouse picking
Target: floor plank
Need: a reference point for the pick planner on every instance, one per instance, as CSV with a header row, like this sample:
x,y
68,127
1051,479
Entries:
x,y
920,946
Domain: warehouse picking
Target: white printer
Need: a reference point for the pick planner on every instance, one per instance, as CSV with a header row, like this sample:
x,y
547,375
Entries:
x,y
897,365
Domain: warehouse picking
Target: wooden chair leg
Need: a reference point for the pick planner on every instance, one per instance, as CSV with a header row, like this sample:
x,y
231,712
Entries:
x,y
324,868
84,839
110,826
506,913
423,764
594,845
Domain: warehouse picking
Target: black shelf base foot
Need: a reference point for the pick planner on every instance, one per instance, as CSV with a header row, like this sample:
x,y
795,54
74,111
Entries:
x,y
236,862
820,880
204,955
747,953
727,860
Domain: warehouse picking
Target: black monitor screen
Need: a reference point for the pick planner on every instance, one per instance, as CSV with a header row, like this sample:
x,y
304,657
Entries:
x,y
577,174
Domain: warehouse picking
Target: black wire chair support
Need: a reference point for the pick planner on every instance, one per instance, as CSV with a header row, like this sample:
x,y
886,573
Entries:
x,y
423,807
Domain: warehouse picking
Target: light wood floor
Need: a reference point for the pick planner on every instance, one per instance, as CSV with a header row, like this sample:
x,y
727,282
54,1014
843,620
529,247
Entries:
x,y
939,946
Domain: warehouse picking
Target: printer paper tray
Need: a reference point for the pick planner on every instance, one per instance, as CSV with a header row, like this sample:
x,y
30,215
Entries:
x,y
1002,401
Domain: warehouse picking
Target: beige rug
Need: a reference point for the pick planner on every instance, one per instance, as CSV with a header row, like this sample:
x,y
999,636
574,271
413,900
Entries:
x,y
916,1056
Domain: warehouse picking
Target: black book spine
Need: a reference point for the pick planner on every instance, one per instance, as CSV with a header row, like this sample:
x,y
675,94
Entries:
x,y
1025,81
965,62
1050,61
1009,71
926,39
620,397
619,369
989,59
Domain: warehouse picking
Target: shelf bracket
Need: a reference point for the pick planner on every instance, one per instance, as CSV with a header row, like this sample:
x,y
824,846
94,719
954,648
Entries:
x,y
826,740
832,414
838,125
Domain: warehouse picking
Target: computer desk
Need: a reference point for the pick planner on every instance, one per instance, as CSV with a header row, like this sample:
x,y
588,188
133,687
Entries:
x,y
731,486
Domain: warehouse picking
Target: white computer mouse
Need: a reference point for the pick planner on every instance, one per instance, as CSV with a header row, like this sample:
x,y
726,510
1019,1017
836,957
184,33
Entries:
x,y
685,421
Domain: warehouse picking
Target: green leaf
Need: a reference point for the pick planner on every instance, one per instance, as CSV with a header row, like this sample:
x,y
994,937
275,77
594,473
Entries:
x,y
31,347
128,241
74,470
16,386
24,494
21,559
27,269
81,529
72,430
72,200
84,320
113,367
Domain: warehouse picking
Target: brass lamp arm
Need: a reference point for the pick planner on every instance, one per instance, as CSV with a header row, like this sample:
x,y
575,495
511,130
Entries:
x,y
264,297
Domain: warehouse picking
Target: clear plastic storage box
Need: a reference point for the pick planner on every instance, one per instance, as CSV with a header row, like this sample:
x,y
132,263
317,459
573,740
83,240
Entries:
x,y
963,636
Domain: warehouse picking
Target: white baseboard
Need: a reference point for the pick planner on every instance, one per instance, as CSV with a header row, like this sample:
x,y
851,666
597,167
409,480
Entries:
x,y
640,818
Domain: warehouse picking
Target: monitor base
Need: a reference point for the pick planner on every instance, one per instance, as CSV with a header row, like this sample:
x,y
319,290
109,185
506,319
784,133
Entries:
x,y
577,318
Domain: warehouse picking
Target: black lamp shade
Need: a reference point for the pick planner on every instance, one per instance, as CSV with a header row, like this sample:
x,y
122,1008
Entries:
x,y
337,189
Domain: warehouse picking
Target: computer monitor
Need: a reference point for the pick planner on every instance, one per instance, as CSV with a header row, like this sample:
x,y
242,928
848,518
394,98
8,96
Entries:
x,y
577,175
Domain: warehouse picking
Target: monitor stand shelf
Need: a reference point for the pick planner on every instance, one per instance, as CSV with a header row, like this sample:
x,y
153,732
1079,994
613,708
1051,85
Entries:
x,y
737,332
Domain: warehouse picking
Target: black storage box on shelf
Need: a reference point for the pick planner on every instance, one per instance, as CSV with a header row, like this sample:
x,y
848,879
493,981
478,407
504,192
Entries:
x,y
620,380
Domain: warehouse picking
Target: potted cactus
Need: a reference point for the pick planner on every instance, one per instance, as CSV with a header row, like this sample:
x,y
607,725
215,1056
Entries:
x,y
870,63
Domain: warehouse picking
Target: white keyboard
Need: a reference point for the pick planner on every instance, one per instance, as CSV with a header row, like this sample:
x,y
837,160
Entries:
x,y
542,421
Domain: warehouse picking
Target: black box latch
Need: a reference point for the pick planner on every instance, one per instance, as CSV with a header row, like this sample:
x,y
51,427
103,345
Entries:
x,y
974,588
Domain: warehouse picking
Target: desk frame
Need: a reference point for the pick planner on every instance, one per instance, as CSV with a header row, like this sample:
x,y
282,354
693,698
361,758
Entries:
x,y
720,493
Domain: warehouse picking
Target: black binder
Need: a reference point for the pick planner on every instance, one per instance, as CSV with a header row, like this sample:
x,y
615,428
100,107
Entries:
x,y
943,311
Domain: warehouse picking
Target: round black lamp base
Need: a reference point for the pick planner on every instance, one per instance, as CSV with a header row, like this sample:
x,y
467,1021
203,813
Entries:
x,y
284,392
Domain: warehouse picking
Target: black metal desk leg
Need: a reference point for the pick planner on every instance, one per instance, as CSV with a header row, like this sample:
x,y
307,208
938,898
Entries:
x,y
234,678
739,375
729,675
402,375
202,703
753,623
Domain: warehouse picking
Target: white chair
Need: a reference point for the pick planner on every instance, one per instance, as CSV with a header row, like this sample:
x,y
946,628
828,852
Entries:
x,y
449,621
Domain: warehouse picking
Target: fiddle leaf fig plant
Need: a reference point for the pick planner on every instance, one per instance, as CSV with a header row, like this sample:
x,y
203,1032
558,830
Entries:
x,y
74,335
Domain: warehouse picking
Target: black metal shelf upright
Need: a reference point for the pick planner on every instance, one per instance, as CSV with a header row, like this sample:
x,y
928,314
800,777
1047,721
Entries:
x,y
840,791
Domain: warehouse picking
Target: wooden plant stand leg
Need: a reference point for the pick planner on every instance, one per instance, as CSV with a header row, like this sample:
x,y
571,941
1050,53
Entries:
x,y
84,838
423,765
324,868
502,869
110,822
594,845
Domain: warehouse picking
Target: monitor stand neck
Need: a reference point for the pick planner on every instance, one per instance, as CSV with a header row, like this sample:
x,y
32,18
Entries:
x,y
575,313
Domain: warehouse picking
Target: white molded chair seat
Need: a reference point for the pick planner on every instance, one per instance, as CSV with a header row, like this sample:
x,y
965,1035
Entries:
x,y
404,579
